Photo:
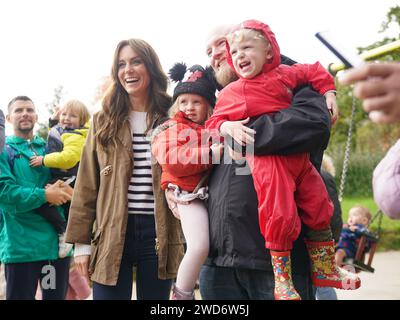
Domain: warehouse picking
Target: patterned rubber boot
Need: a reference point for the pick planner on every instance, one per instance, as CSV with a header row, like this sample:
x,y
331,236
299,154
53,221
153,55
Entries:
x,y
178,294
284,288
325,272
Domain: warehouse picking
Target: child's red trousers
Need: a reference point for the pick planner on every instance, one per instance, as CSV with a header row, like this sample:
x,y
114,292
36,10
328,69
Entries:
x,y
285,184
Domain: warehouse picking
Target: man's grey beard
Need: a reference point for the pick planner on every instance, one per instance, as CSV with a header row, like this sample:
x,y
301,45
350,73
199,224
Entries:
x,y
225,76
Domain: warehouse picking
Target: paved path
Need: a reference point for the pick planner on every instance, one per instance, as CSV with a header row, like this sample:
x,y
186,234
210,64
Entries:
x,y
383,284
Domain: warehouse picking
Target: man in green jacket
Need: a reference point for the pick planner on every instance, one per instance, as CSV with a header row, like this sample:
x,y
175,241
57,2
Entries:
x,y
2,130
28,243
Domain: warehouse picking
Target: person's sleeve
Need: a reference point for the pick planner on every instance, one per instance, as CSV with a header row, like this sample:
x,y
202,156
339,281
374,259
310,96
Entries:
x,y
52,122
231,106
82,212
359,231
15,198
176,153
303,127
2,131
69,156
82,250
314,74
386,183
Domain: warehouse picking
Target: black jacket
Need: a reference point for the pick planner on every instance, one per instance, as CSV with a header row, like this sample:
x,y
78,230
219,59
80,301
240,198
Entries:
x,y
235,237
336,221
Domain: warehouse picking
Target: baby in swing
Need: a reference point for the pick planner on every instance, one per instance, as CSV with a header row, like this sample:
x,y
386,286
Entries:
x,y
357,225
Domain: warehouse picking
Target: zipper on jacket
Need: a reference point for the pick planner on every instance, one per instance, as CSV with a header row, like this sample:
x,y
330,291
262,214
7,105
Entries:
x,y
31,147
157,245
157,242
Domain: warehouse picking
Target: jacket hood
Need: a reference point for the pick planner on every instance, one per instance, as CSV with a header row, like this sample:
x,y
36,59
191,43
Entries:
x,y
269,35
21,144
182,118
15,141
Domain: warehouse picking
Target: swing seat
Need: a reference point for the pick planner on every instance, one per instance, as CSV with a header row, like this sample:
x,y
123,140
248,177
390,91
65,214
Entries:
x,y
358,262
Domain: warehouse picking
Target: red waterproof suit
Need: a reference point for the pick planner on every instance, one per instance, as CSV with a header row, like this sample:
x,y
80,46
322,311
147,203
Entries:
x,y
282,183
182,149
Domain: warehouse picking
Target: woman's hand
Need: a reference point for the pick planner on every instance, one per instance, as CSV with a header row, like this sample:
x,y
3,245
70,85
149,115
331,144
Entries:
x,y
238,131
173,203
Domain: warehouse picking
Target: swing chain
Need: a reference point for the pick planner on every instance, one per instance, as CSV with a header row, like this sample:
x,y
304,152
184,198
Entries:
x,y
347,150
378,215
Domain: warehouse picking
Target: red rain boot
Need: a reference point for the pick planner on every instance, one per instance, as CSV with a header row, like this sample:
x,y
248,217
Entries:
x,y
284,288
325,272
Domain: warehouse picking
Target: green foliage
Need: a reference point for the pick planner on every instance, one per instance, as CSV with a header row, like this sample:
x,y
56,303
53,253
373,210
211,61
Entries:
x,y
359,175
43,131
390,229
393,16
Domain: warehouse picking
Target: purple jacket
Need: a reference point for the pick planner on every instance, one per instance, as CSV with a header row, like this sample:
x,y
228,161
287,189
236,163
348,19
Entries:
x,y
386,183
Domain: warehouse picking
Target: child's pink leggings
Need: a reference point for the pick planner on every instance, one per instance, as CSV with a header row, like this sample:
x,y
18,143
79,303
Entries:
x,y
194,221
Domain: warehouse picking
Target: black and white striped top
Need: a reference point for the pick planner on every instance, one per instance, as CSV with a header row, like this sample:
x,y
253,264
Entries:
x,y
140,191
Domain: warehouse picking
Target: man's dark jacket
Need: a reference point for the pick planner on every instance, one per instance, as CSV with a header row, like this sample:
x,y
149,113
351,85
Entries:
x,y
235,237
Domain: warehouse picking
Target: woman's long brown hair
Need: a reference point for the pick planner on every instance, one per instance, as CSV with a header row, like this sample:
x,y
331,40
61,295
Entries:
x,y
116,103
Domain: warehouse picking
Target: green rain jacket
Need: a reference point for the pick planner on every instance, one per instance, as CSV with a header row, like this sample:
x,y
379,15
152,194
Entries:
x,y
24,236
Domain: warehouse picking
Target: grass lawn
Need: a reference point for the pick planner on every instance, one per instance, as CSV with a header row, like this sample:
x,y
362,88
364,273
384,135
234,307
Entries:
x,y
390,233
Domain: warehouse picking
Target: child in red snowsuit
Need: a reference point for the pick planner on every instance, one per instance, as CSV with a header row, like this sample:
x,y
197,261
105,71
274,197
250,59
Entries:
x,y
282,183
182,148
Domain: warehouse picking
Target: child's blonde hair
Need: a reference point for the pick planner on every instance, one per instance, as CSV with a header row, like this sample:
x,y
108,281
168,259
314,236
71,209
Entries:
x,y
79,108
175,107
246,34
363,211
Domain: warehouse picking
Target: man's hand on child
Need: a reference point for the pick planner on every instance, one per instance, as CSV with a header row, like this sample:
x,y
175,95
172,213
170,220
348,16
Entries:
x,y
333,108
238,131
36,161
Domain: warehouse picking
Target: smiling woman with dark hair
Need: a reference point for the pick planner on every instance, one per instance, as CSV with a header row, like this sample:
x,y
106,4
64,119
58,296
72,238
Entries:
x,y
117,193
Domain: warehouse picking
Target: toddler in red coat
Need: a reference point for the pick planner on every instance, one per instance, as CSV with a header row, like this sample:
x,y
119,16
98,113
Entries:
x,y
183,149
282,183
